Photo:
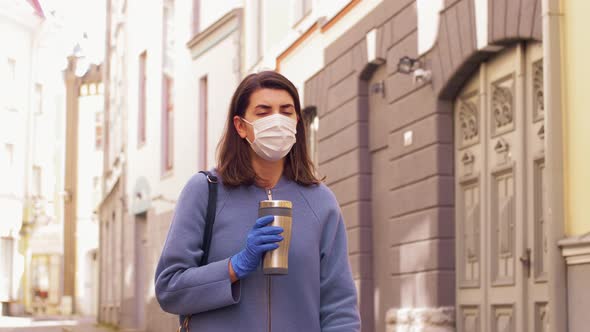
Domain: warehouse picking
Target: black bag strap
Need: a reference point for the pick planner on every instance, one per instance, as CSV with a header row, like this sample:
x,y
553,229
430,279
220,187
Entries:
x,y
209,220
210,217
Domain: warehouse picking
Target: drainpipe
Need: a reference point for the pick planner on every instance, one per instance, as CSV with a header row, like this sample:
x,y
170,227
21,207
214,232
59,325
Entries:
x,y
554,156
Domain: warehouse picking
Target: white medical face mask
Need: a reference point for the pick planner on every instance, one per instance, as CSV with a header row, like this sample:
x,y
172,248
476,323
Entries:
x,y
274,136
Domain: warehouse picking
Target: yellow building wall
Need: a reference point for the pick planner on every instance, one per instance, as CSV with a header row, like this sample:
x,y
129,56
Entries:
x,y
576,93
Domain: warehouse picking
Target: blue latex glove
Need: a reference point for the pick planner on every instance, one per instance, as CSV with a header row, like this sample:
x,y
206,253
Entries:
x,y
261,239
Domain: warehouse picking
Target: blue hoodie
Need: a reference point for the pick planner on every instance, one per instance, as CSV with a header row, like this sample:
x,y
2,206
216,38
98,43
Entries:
x,y
318,293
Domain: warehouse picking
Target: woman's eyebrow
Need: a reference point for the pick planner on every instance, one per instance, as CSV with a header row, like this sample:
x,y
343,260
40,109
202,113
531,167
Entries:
x,y
264,106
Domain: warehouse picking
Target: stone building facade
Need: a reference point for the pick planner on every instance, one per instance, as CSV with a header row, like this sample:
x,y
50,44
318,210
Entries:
x,y
440,169
437,124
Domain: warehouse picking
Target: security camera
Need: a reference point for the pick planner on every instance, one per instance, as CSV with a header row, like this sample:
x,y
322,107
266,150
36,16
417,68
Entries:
x,y
422,76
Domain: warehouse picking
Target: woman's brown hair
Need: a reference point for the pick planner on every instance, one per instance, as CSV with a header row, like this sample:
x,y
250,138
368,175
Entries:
x,y
233,158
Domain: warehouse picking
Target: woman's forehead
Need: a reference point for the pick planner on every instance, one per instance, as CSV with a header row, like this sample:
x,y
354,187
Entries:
x,y
270,97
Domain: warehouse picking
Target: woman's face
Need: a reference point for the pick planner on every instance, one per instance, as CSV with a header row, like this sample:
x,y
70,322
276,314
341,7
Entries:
x,y
265,102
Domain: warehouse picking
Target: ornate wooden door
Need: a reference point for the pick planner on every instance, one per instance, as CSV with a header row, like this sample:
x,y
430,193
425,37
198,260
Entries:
x,y
499,168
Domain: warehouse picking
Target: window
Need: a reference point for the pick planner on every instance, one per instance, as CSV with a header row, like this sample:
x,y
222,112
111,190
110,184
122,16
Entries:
x,y
6,265
37,184
255,19
9,155
55,269
38,102
168,37
141,112
302,8
203,115
196,16
7,178
11,86
312,124
168,87
45,278
167,124
11,70
98,130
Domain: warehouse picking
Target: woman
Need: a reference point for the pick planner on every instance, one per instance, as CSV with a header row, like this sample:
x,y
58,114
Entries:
x,y
263,152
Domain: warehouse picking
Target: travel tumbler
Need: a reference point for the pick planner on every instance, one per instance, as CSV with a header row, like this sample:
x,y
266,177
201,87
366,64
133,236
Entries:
x,y
277,261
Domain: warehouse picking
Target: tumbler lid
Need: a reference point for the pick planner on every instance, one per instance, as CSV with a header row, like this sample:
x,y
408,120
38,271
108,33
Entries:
x,y
275,203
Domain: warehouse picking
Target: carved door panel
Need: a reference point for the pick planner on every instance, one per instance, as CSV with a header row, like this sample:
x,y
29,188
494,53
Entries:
x,y
469,209
496,194
505,219
537,289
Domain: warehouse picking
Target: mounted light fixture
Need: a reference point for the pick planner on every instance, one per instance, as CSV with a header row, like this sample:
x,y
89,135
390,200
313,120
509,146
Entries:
x,y
407,65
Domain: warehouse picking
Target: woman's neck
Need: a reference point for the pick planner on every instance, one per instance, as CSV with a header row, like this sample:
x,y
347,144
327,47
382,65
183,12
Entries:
x,y
269,172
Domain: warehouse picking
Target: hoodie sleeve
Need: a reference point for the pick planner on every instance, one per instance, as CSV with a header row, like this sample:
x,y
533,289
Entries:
x,y
338,295
182,286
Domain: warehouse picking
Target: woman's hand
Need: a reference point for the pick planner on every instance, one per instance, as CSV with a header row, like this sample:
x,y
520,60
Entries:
x,y
260,239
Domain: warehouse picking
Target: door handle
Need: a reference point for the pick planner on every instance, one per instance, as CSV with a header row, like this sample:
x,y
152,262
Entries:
x,y
526,261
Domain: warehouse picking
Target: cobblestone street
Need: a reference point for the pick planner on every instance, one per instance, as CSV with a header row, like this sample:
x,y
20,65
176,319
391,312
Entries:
x,y
50,324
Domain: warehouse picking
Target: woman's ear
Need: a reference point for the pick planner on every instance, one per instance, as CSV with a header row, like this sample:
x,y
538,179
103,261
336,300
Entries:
x,y
239,125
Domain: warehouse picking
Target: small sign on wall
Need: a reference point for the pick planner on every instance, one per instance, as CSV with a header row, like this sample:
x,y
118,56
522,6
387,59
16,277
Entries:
x,y
408,138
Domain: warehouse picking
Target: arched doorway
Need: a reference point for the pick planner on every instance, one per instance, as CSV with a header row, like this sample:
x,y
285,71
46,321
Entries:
x,y
501,229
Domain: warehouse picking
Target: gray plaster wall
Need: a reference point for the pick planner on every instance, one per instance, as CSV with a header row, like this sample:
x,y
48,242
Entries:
x,y
578,297
397,200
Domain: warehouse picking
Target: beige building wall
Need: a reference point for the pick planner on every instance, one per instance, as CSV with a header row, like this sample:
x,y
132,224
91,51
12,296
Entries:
x,y
576,103
90,163
576,122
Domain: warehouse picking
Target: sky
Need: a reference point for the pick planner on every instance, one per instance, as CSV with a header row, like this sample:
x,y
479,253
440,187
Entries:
x,y
79,18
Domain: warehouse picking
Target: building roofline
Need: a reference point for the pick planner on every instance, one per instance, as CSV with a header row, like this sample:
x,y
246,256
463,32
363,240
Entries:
x,y
37,7
199,37
321,25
